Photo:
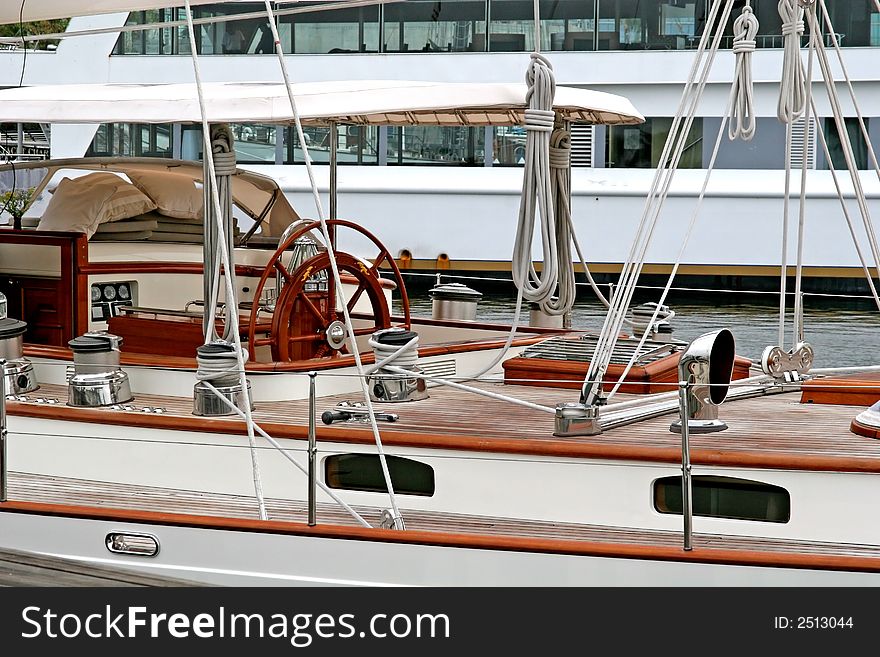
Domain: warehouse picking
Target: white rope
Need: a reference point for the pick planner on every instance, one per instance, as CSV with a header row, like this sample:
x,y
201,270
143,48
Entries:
x,y
404,356
209,20
536,189
632,267
477,391
301,468
791,105
792,91
672,151
846,215
852,93
231,306
849,156
745,28
328,242
681,251
815,45
869,225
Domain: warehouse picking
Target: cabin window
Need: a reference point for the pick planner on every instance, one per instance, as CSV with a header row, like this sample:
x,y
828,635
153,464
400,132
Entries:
x,y
364,472
725,497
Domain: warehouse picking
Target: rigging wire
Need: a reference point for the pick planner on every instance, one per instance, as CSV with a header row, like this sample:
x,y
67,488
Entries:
x,y
328,243
232,308
789,108
662,180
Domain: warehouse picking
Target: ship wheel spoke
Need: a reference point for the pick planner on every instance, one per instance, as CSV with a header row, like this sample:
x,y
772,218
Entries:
x,y
281,269
311,306
382,257
308,337
357,295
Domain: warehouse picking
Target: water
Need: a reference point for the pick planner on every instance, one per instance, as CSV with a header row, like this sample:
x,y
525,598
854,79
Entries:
x,y
842,333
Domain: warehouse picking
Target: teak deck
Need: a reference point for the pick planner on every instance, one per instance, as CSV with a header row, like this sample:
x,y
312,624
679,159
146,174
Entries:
x,y
775,431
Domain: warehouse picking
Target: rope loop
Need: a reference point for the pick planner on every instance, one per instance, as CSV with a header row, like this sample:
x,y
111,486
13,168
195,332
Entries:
x,y
745,29
792,91
540,120
224,164
560,150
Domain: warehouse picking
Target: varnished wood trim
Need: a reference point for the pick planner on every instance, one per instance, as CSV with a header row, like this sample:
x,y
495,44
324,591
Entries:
x,y
177,362
194,268
844,391
659,376
476,443
458,540
863,430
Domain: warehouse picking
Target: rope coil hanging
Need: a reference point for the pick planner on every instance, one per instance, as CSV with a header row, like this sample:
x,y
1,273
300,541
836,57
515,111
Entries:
x,y
745,29
792,92
538,194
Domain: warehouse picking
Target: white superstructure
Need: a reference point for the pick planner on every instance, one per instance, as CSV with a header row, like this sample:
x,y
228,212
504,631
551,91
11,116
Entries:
x,y
642,51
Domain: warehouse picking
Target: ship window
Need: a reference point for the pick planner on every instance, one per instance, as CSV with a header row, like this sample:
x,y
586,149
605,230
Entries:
x,y
725,497
641,146
856,140
364,472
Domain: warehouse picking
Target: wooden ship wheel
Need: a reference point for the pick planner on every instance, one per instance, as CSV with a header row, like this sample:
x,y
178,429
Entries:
x,y
307,322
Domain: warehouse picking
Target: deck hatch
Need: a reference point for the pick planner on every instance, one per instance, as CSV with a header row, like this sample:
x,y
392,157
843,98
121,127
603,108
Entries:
x,y
581,350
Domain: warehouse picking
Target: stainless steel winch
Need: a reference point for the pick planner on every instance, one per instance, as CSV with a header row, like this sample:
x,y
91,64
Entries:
x,y
98,380
219,366
17,371
385,385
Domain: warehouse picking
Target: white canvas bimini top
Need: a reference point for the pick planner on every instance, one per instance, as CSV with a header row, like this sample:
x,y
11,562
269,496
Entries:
x,y
38,10
352,102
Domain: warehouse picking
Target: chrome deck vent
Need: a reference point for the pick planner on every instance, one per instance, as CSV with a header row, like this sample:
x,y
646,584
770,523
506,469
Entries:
x,y
98,380
581,350
438,368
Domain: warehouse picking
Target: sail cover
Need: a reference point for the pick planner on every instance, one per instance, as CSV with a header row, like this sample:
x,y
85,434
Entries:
x,y
369,102
12,11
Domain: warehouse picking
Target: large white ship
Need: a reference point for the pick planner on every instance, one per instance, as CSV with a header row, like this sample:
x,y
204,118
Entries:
x,y
460,217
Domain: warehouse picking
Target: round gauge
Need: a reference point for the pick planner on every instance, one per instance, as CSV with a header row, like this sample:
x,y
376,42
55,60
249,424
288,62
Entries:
x,y
124,294
109,292
96,293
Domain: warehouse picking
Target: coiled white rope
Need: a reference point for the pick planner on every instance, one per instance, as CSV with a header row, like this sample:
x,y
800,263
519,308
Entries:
x,y
405,356
231,306
560,194
328,243
792,91
219,365
536,191
742,123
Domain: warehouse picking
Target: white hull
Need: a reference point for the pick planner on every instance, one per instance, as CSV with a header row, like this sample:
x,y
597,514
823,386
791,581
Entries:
x,y
244,558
